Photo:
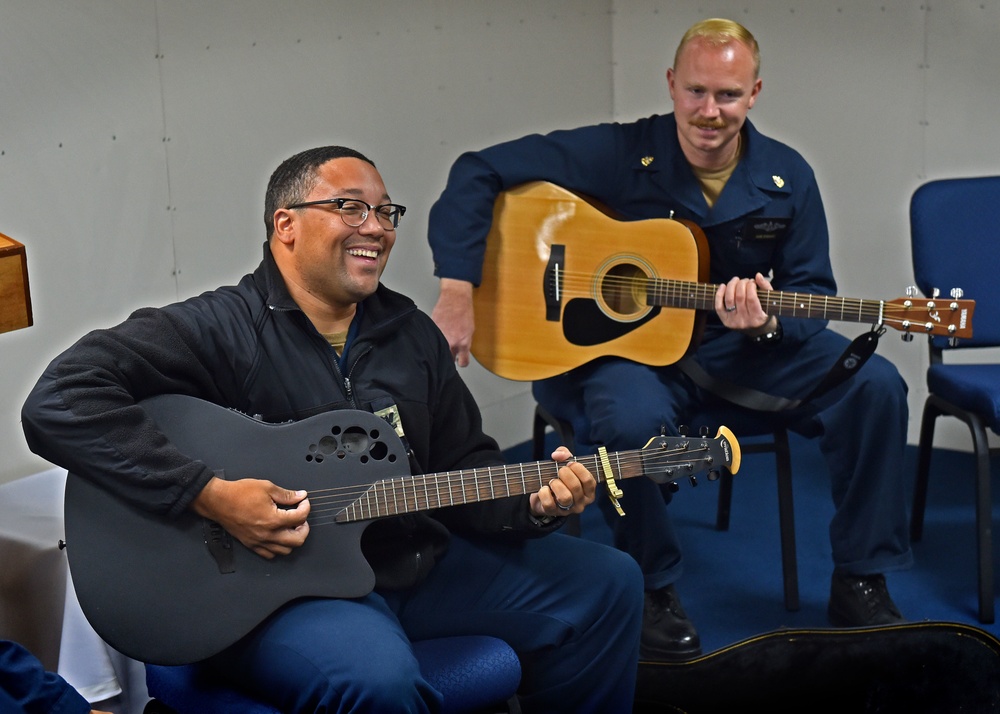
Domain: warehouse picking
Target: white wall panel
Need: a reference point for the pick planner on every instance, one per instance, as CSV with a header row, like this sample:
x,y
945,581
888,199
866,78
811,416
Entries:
x,y
136,136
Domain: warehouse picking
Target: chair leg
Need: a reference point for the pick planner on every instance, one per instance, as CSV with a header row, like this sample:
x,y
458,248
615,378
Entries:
x,y
933,408
725,507
984,522
924,450
786,510
786,520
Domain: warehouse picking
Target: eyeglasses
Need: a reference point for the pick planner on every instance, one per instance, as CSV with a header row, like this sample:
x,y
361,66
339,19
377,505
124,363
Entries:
x,y
354,212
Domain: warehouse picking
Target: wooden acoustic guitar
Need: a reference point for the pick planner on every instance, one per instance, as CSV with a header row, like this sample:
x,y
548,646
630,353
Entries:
x,y
565,283
177,590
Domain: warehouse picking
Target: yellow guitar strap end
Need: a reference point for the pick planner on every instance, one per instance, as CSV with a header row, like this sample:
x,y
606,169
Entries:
x,y
614,493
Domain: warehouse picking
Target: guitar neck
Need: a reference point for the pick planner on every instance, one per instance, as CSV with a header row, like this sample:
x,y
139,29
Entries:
x,y
701,296
409,494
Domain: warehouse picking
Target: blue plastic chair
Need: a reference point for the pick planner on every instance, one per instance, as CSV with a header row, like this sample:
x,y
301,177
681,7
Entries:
x,y
473,673
956,244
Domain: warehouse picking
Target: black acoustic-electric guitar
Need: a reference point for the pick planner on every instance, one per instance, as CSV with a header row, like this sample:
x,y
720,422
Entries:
x,y
178,590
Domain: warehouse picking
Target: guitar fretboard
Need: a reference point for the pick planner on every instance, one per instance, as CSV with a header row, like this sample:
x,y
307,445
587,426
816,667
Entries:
x,y
408,494
701,296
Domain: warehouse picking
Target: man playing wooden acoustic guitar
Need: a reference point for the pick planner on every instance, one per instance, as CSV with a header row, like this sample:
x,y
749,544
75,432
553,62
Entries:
x,y
759,206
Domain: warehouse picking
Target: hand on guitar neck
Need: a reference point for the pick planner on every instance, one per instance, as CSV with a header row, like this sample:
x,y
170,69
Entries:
x,y
267,519
454,315
738,305
571,492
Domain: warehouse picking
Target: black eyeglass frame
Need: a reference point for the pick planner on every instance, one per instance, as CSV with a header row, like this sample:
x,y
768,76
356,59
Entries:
x,y
395,217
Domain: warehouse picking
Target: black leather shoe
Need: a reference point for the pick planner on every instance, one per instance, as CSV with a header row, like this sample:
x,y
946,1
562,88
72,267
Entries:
x,y
860,601
667,633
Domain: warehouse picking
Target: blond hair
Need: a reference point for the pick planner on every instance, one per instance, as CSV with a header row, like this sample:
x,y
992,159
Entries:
x,y
719,31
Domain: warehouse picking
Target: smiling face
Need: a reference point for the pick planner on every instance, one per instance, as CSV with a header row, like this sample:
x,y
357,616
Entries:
x,y
713,87
328,265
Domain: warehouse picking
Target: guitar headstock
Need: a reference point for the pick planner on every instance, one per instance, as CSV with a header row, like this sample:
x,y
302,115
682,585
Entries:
x,y
940,317
667,459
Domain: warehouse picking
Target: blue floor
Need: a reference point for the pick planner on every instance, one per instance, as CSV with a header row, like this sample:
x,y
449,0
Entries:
x,y
732,587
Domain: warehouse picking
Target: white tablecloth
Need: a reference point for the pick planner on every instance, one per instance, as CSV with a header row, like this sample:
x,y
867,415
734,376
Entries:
x,y
38,606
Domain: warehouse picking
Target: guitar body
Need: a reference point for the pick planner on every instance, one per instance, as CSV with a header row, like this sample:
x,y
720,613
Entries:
x,y
524,332
152,588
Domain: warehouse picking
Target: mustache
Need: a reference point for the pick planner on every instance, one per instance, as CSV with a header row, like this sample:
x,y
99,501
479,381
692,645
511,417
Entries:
x,y
709,124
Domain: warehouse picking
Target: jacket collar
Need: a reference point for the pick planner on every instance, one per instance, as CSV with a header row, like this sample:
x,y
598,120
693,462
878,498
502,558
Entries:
x,y
755,179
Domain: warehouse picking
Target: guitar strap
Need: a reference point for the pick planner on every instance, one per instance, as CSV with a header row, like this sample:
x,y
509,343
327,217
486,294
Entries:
x,y
856,354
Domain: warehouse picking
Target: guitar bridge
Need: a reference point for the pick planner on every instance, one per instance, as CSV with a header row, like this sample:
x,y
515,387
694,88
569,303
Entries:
x,y
552,282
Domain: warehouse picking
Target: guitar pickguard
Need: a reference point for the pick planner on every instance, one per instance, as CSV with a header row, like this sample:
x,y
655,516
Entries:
x,y
586,325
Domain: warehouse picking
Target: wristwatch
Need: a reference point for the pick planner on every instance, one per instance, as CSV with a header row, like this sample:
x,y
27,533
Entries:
x,y
770,338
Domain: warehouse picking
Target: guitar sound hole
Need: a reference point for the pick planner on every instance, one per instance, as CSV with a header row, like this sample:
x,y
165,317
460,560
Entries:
x,y
379,451
354,440
623,289
327,445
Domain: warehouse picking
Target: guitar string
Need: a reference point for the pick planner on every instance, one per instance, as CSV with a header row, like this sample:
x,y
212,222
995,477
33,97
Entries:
x,y
427,489
859,309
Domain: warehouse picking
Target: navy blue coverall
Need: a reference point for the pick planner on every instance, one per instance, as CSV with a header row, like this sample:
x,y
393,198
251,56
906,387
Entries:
x,y
769,218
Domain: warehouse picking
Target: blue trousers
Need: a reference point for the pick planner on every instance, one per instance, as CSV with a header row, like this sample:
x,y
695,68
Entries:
x,y
570,608
861,427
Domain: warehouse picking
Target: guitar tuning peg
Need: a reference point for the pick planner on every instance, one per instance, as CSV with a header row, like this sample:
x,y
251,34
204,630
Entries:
x,y
911,291
674,488
703,431
682,430
935,293
953,342
693,480
957,293
907,337
714,475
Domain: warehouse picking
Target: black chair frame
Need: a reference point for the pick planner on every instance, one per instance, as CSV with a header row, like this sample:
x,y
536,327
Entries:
x,y
934,407
545,420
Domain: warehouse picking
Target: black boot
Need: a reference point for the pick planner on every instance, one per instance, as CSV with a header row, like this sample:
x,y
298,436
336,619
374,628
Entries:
x,y
860,601
667,633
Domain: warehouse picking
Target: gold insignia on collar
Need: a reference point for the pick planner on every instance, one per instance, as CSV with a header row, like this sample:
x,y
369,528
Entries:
x,y
778,181
646,160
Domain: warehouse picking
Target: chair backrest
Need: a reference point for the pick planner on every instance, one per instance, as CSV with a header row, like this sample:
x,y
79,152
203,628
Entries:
x,y
955,237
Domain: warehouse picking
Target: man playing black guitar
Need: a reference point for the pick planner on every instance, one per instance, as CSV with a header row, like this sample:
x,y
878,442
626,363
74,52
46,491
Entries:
x,y
310,331
759,205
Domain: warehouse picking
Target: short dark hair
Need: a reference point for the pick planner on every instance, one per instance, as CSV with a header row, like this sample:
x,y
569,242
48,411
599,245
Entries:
x,y
295,177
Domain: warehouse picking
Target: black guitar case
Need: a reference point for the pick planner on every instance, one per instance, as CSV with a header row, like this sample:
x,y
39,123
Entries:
x,y
937,667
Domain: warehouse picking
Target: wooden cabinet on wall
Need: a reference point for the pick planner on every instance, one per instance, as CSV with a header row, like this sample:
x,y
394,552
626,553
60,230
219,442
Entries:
x,y
15,302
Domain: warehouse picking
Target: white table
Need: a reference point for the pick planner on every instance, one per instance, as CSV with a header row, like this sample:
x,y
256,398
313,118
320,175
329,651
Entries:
x,y
38,606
